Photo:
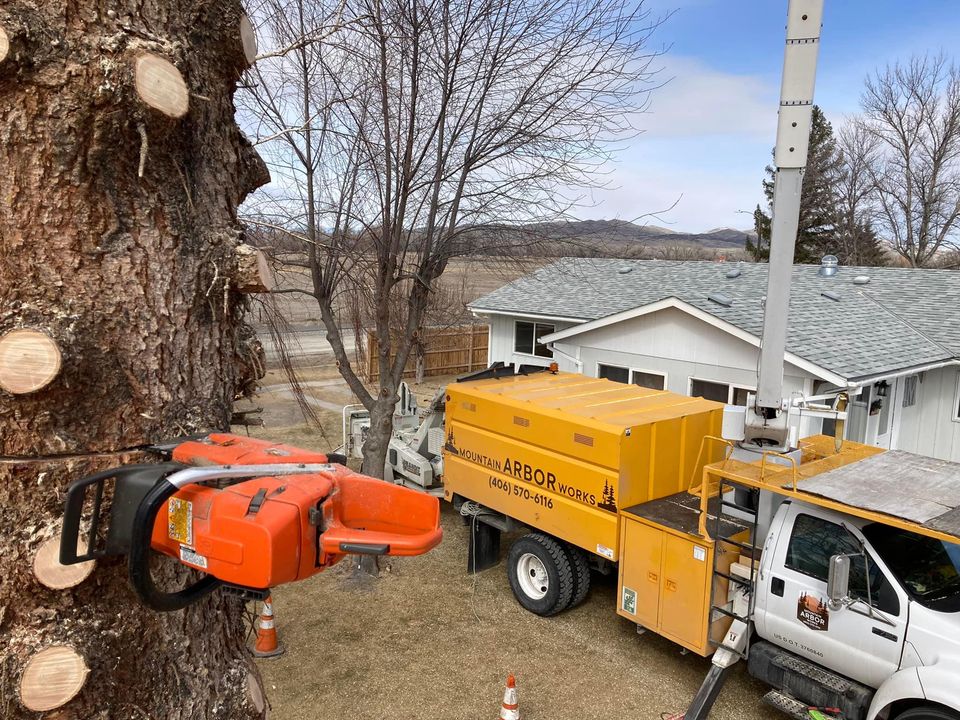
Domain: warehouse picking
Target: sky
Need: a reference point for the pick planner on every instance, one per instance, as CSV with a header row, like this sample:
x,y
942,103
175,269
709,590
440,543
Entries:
x,y
710,129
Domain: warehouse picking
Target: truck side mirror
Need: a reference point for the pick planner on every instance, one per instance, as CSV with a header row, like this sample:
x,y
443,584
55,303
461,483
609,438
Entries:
x,y
838,580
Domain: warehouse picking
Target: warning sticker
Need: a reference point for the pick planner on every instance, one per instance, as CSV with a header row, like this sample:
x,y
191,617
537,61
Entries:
x,y
180,520
629,602
192,557
605,551
699,553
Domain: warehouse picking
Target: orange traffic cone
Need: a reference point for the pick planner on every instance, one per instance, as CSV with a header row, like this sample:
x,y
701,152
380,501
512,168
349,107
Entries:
x,y
267,645
509,708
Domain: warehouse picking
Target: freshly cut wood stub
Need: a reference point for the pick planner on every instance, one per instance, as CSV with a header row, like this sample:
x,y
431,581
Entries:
x,y
255,693
4,44
253,271
249,39
160,85
29,360
49,571
52,678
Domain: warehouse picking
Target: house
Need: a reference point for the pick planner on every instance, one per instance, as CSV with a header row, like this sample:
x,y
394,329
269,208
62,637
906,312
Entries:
x,y
890,334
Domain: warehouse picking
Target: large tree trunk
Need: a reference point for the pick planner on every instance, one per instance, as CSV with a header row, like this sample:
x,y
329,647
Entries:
x,y
118,199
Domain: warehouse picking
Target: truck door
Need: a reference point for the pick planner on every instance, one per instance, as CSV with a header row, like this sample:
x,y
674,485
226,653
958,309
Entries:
x,y
792,598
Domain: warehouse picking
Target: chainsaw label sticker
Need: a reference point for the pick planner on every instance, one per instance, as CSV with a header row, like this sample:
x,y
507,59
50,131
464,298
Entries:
x,y
629,603
813,612
180,520
192,557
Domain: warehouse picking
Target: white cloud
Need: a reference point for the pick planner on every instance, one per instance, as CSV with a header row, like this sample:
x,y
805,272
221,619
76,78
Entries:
x,y
699,100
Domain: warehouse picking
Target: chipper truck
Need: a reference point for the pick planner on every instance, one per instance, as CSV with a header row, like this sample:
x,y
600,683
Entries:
x,y
832,568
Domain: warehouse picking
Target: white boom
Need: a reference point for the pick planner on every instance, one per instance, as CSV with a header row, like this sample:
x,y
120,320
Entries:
x,y
766,421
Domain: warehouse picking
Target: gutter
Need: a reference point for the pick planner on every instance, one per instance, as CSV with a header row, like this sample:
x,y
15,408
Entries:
x,y
576,361
901,373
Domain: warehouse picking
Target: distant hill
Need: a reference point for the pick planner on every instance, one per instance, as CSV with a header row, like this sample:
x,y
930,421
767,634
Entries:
x,y
621,231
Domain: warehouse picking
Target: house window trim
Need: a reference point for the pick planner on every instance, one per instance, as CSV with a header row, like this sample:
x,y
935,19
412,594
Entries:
x,y
631,370
730,386
534,322
955,415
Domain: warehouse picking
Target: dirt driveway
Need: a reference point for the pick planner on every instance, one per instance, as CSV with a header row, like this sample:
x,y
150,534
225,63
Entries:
x,y
426,640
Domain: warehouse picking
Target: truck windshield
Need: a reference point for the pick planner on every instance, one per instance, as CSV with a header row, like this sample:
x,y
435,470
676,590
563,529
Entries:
x,y
928,569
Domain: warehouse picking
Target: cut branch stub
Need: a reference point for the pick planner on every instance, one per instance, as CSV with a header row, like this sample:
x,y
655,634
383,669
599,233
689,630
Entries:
x,y
52,678
160,85
255,693
29,360
49,571
4,44
249,39
253,271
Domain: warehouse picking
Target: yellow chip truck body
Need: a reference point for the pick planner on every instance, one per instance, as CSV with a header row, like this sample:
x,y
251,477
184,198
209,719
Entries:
x,y
564,453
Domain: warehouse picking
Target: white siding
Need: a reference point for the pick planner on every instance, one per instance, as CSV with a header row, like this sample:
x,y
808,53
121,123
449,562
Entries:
x,y
928,428
669,342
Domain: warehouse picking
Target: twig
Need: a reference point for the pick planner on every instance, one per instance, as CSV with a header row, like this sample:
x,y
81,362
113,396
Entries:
x,y
144,147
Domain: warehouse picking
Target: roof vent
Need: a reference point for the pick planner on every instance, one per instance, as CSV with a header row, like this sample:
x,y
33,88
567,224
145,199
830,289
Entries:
x,y
861,280
828,266
625,269
733,273
720,299
831,295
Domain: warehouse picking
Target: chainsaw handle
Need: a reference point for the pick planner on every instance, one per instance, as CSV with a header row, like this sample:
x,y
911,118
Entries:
x,y
139,557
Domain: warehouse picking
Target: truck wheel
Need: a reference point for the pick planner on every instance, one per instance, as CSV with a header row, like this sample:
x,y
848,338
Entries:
x,y
927,712
540,574
581,574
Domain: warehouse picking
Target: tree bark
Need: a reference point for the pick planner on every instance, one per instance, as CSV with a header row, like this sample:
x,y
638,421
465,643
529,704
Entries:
x,y
117,232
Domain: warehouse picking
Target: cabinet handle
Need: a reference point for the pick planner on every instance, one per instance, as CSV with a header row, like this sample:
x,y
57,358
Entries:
x,y
653,577
671,586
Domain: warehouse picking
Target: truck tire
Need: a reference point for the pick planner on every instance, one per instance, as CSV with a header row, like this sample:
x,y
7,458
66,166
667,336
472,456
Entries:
x,y
927,712
540,574
581,574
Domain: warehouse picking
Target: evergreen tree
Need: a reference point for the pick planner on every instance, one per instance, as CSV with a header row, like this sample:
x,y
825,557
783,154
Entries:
x,y
816,235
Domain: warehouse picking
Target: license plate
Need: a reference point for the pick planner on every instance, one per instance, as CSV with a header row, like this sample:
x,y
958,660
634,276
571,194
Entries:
x,y
180,520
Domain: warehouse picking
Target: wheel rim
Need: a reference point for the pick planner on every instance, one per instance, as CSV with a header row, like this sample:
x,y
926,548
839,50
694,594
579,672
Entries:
x,y
532,576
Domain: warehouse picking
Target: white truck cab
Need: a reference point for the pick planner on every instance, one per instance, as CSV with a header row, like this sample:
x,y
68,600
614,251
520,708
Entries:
x,y
895,634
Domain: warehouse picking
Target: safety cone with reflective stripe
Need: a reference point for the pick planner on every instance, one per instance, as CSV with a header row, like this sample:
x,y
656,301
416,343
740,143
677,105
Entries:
x,y
510,709
267,645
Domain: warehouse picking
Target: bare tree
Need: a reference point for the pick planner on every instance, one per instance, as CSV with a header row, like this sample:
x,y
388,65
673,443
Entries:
x,y
417,122
912,111
855,240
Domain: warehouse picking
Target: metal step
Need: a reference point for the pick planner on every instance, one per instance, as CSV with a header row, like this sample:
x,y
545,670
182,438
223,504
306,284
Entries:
x,y
820,675
787,705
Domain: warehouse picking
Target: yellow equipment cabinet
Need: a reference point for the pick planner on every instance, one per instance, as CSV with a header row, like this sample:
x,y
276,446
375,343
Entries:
x,y
666,571
562,453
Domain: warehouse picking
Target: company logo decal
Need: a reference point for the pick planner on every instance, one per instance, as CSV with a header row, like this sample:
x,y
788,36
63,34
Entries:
x,y
813,612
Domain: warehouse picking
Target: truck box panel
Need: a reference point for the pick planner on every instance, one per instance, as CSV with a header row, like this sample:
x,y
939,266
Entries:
x,y
544,469
639,597
590,528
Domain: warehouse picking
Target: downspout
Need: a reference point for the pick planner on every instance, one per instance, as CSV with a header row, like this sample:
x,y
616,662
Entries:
x,y
576,361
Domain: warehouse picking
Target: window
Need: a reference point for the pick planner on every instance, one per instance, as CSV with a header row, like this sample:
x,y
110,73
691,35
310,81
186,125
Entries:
x,y
618,373
812,543
956,401
526,335
720,392
910,390
654,381
613,372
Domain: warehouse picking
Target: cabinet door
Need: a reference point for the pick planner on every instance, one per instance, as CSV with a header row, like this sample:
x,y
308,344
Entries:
x,y
640,573
685,569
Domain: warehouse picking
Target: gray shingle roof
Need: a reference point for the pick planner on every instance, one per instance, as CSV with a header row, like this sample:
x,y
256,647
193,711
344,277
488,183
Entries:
x,y
902,318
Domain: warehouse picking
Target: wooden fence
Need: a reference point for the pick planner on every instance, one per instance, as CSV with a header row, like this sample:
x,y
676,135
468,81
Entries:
x,y
448,351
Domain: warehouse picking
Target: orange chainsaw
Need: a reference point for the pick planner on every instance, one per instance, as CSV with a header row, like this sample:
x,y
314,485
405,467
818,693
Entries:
x,y
248,513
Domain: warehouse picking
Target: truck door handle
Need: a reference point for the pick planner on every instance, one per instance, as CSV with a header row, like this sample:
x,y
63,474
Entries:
x,y
884,634
776,586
